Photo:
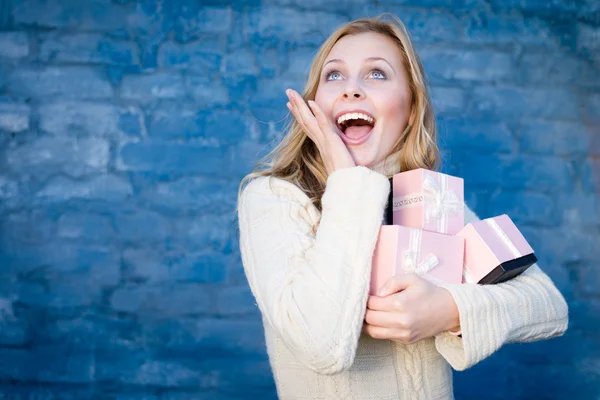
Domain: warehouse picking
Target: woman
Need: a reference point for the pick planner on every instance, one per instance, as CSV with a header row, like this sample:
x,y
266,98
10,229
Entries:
x,y
310,220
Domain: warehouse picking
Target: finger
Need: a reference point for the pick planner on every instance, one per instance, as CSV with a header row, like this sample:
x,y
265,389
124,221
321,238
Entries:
x,y
292,107
383,318
397,283
305,113
379,303
378,332
322,120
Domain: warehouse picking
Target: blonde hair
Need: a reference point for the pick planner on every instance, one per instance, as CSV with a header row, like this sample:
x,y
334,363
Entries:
x,y
296,158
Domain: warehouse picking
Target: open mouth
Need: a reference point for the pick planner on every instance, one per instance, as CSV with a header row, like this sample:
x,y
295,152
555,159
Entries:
x,y
356,126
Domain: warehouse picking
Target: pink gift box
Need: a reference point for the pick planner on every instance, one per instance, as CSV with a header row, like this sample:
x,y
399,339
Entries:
x,y
495,251
400,250
428,200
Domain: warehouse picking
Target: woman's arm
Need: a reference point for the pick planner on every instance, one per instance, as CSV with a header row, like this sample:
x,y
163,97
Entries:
x,y
312,289
524,309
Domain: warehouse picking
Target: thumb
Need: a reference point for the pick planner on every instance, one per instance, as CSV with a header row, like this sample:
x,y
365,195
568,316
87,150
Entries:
x,y
397,284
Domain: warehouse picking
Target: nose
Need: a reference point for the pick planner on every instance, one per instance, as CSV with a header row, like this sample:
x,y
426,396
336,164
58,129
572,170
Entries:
x,y
352,90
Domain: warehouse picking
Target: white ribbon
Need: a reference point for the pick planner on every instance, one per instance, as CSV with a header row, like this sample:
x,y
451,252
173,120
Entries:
x,y
503,237
411,256
440,202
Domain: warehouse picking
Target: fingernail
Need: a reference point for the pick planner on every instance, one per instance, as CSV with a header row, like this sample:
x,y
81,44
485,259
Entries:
x,y
381,292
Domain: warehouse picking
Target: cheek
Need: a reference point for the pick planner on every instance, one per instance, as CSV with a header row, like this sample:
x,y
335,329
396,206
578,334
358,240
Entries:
x,y
324,99
398,109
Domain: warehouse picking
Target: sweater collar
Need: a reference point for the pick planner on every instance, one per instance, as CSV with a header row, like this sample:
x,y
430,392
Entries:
x,y
389,166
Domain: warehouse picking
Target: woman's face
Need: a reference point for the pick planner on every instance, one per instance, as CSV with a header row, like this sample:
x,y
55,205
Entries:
x,y
364,73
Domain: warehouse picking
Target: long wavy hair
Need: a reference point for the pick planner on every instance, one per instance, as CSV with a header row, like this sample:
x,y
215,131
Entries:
x,y
296,158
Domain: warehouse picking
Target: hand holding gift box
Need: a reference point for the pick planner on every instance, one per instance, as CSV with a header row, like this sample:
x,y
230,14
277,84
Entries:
x,y
495,251
401,250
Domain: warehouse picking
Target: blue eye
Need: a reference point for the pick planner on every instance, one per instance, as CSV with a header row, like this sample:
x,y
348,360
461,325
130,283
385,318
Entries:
x,y
332,73
377,71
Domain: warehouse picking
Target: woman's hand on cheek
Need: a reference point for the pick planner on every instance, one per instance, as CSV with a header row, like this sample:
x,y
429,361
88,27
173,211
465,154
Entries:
x,y
411,309
321,131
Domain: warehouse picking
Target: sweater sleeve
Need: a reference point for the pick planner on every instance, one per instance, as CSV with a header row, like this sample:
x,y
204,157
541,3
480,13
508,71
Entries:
x,y
313,288
526,308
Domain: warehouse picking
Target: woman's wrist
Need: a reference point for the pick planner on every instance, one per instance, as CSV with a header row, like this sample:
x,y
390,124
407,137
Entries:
x,y
452,320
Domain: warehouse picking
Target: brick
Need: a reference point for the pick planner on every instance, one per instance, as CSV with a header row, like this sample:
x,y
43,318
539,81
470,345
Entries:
x,y
146,88
85,227
176,121
10,193
65,82
205,232
195,21
245,157
590,176
87,48
241,62
280,24
171,158
14,45
47,364
203,56
537,173
93,119
14,117
201,267
297,62
479,170
162,301
539,68
467,65
57,295
448,100
237,300
104,331
92,15
525,208
228,127
13,333
142,226
268,103
424,25
134,367
207,92
209,336
103,187
512,103
146,264
50,155
457,133
28,227
588,41
508,30
553,138
190,193
591,105
578,209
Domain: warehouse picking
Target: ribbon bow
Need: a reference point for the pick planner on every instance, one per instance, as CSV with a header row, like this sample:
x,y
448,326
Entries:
x,y
411,256
410,262
440,201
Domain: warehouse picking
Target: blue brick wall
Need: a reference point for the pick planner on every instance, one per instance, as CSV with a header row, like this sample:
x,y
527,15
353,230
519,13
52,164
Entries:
x,y
125,127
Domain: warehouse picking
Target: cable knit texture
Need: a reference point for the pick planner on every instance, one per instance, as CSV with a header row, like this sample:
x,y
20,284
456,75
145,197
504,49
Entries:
x,y
312,291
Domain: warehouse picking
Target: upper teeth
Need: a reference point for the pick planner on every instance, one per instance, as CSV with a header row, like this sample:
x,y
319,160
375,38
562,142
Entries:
x,y
348,116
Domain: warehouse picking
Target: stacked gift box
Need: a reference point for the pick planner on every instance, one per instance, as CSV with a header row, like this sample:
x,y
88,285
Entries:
x,y
424,232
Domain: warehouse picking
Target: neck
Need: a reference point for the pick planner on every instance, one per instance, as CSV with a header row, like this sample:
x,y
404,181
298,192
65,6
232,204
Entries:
x,y
389,166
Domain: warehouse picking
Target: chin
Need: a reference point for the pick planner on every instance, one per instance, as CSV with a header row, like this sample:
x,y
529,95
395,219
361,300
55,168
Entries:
x,y
363,157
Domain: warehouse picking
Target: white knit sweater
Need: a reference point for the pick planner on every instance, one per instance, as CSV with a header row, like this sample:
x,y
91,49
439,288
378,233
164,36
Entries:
x,y
312,292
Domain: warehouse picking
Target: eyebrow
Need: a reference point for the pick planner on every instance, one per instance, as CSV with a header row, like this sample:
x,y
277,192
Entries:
x,y
366,59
